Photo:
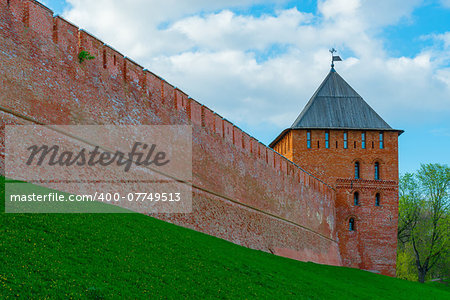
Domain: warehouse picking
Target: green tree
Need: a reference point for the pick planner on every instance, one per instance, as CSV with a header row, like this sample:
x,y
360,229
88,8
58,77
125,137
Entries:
x,y
409,207
424,219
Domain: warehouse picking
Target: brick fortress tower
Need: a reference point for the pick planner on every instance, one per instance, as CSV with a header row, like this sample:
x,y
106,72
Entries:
x,y
340,139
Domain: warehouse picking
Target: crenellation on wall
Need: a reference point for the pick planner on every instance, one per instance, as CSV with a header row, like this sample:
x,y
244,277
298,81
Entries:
x,y
66,36
181,101
260,151
218,124
124,70
208,119
195,112
55,30
134,73
277,162
254,147
246,142
270,157
168,92
17,9
237,138
40,5
264,153
114,61
177,102
153,84
40,18
88,42
228,130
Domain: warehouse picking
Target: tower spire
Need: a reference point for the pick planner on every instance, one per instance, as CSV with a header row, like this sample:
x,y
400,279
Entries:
x,y
334,58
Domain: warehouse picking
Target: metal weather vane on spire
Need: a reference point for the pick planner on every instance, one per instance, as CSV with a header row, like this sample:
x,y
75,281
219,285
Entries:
x,y
334,57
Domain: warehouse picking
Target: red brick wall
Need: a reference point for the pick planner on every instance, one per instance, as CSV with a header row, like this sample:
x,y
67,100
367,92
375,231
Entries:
x,y
372,246
243,191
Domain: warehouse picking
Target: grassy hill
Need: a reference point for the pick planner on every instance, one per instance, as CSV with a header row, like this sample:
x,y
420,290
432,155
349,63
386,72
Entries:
x,y
132,255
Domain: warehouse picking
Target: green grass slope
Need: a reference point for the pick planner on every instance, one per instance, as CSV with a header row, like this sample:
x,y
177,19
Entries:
x,y
134,256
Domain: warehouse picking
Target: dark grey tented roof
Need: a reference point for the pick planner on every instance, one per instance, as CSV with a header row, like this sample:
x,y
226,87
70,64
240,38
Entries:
x,y
336,104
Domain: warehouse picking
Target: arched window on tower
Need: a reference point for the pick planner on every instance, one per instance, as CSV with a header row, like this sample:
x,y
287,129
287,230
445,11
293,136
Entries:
x,y
377,171
377,199
327,139
351,224
357,170
356,198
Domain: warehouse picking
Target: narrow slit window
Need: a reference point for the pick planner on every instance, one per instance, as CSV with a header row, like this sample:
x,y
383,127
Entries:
x,y
351,224
377,171
377,199
356,170
104,59
381,140
363,140
327,139
356,198
308,139
345,140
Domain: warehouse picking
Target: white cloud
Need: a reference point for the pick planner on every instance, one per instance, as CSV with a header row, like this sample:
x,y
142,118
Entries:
x,y
443,37
259,71
336,8
226,30
371,14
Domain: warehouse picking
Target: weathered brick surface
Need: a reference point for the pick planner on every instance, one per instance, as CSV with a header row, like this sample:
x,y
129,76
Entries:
x,y
240,193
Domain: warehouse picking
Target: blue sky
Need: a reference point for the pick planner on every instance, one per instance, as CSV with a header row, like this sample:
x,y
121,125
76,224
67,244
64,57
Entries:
x,y
257,62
